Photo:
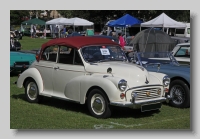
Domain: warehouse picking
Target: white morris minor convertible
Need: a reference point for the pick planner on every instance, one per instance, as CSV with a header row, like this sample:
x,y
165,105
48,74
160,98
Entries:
x,y
92,71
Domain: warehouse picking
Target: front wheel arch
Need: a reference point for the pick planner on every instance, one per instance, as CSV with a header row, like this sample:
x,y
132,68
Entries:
x,y
96,87
98,104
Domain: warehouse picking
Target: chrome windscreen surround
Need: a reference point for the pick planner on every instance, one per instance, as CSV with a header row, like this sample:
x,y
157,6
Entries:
x,y
145,92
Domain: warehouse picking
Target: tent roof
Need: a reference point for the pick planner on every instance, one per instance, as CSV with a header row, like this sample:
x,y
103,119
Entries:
x,y
126,20
34,21
70,21
80,22
59,21
163,21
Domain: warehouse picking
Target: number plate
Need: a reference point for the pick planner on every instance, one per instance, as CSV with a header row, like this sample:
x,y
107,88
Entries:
x,y
150,107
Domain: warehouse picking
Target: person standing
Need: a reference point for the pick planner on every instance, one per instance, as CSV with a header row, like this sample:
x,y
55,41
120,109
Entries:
x,y
56,30
31,30
121,40
34,31
109,33
64,32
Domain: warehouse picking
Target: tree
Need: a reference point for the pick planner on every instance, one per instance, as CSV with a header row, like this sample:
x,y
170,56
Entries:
x,y
17,16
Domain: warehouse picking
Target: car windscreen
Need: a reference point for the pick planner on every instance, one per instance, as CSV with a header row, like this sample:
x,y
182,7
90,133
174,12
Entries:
x,y
155,57
103,53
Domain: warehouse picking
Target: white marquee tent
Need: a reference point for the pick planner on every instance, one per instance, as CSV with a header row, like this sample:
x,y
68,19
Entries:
x,y
70,21
59,21
163,21
80,22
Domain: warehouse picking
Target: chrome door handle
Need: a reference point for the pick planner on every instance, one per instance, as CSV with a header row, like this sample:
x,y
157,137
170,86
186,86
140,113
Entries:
x,y
55,68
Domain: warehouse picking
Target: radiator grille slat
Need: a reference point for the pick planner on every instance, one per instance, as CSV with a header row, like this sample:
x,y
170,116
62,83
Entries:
x,y
143,95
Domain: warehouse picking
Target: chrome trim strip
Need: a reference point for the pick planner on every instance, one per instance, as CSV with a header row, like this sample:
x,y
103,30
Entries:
x,y
43,66
71,70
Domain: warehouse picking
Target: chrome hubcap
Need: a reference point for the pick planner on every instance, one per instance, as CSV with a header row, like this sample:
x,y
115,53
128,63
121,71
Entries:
x,y
178,94
32,91
98,104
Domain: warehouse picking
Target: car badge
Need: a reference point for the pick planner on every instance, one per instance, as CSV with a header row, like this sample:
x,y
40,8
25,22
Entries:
x,y
148,94
146,81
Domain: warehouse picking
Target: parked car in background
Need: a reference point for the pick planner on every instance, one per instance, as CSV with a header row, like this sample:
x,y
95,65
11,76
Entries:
x,y
179,40
165,62
92,71
182,53
19,61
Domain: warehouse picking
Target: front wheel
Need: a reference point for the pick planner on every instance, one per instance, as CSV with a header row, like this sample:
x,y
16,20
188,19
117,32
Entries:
x,y
31,91
180,93
98,104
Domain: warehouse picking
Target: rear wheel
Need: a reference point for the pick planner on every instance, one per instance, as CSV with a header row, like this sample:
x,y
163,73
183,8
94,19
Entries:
x,y
98,104
180,93
31,91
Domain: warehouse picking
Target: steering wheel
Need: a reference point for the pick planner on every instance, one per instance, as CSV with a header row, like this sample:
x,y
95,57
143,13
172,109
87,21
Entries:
x,y
46,55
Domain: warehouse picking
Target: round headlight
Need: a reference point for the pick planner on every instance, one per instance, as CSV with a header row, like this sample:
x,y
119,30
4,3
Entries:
x,y
166,80
122,85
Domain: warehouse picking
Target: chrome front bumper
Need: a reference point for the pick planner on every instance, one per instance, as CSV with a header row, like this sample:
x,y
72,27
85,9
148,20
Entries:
x,y
138,104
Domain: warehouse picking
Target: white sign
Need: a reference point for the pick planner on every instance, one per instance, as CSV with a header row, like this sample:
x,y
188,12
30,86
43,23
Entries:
x,y
104,51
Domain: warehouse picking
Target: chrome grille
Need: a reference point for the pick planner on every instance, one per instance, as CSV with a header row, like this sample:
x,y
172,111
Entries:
x,y
142,93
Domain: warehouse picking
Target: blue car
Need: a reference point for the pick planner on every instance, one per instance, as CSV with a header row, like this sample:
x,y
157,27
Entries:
x,y
165,62
20,61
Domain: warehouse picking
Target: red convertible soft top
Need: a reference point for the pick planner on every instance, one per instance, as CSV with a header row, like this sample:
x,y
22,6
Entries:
x,y
78,42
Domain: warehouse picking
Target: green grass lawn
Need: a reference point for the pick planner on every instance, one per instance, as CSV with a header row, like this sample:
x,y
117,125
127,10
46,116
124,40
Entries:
x,y
29,43
58,114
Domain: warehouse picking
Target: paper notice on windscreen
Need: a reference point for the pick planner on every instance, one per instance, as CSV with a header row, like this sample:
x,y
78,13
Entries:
x,y
104,51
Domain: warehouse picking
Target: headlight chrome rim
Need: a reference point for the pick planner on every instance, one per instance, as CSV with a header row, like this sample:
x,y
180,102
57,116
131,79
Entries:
x,y
166,81
122,85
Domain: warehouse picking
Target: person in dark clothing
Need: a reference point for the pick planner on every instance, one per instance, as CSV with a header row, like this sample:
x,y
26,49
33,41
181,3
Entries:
x,y
15,45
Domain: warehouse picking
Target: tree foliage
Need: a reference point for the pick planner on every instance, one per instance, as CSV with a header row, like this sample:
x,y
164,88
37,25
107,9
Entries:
x,y
16,16
102,16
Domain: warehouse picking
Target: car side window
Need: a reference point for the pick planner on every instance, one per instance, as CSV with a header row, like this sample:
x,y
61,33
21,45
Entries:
x,y
183,51
66,55
50,54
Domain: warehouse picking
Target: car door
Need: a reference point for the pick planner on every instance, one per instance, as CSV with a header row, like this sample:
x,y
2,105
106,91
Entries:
x,y
45,67
67,74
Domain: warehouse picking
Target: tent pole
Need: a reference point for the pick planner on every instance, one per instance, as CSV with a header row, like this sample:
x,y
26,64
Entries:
x,y
74,28
45,31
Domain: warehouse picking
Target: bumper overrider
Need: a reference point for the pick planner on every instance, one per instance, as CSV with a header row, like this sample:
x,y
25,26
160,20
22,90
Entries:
x,y
146,98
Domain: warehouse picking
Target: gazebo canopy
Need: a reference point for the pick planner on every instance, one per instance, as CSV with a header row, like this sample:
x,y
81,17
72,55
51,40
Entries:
x,y
70,21
126,20
59,21
34,21
163,21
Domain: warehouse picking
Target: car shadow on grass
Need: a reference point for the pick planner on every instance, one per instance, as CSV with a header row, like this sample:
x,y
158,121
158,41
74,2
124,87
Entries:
x,y
117,112
14,73
123,112
57,103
